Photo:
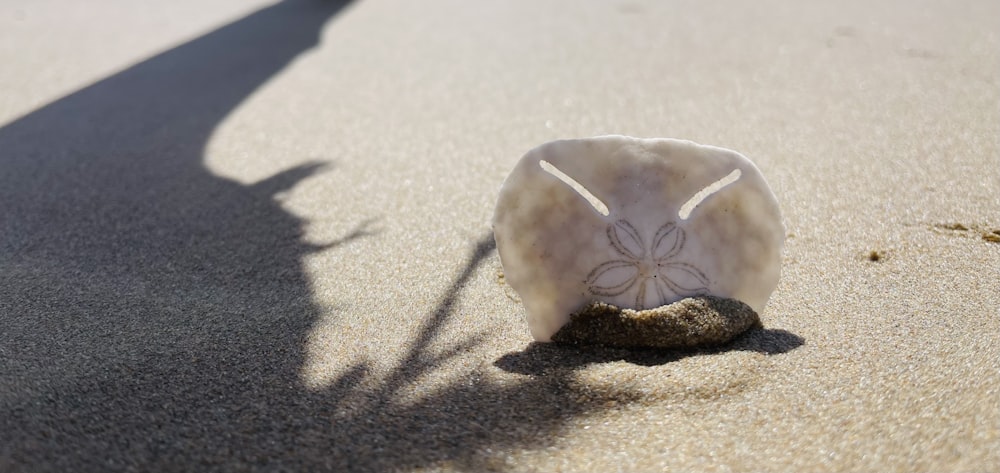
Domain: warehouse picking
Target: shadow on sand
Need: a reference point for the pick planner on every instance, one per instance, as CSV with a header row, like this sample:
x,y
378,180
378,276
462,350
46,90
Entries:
x,y
154,316
541,358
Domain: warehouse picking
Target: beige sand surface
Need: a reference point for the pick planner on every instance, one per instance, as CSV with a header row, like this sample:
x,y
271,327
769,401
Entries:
x,y
242,236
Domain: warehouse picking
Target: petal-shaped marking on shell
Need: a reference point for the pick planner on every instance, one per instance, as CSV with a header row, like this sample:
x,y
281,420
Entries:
x,y
640,297
612,278
668,242
688,269
662,289
631,245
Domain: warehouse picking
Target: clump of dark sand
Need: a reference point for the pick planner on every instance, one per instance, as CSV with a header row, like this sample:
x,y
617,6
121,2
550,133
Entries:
x,y
688,323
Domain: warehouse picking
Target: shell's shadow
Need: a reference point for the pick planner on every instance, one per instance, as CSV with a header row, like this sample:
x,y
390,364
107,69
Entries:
x,y
544,358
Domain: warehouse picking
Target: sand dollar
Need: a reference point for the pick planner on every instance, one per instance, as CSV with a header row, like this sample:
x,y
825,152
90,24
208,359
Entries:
x,y
635,223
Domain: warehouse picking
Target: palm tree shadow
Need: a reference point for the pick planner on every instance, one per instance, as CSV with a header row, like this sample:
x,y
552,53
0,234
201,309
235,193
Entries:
x,y
153,315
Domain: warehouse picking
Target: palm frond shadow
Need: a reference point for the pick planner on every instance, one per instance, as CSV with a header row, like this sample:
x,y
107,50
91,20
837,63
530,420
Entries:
x,y
461,423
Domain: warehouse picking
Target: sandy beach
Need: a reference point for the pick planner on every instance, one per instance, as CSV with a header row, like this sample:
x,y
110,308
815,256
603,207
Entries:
x,y
256,235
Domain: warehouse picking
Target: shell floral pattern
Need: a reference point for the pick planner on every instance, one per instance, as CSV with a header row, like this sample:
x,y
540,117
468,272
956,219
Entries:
x,y
641,267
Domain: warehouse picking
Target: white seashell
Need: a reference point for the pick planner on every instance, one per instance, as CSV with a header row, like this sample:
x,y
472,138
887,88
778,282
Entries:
x,y
636,223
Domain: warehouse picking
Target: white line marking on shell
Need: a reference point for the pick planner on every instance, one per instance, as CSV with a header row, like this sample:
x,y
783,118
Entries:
x,y
703,194
586,194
